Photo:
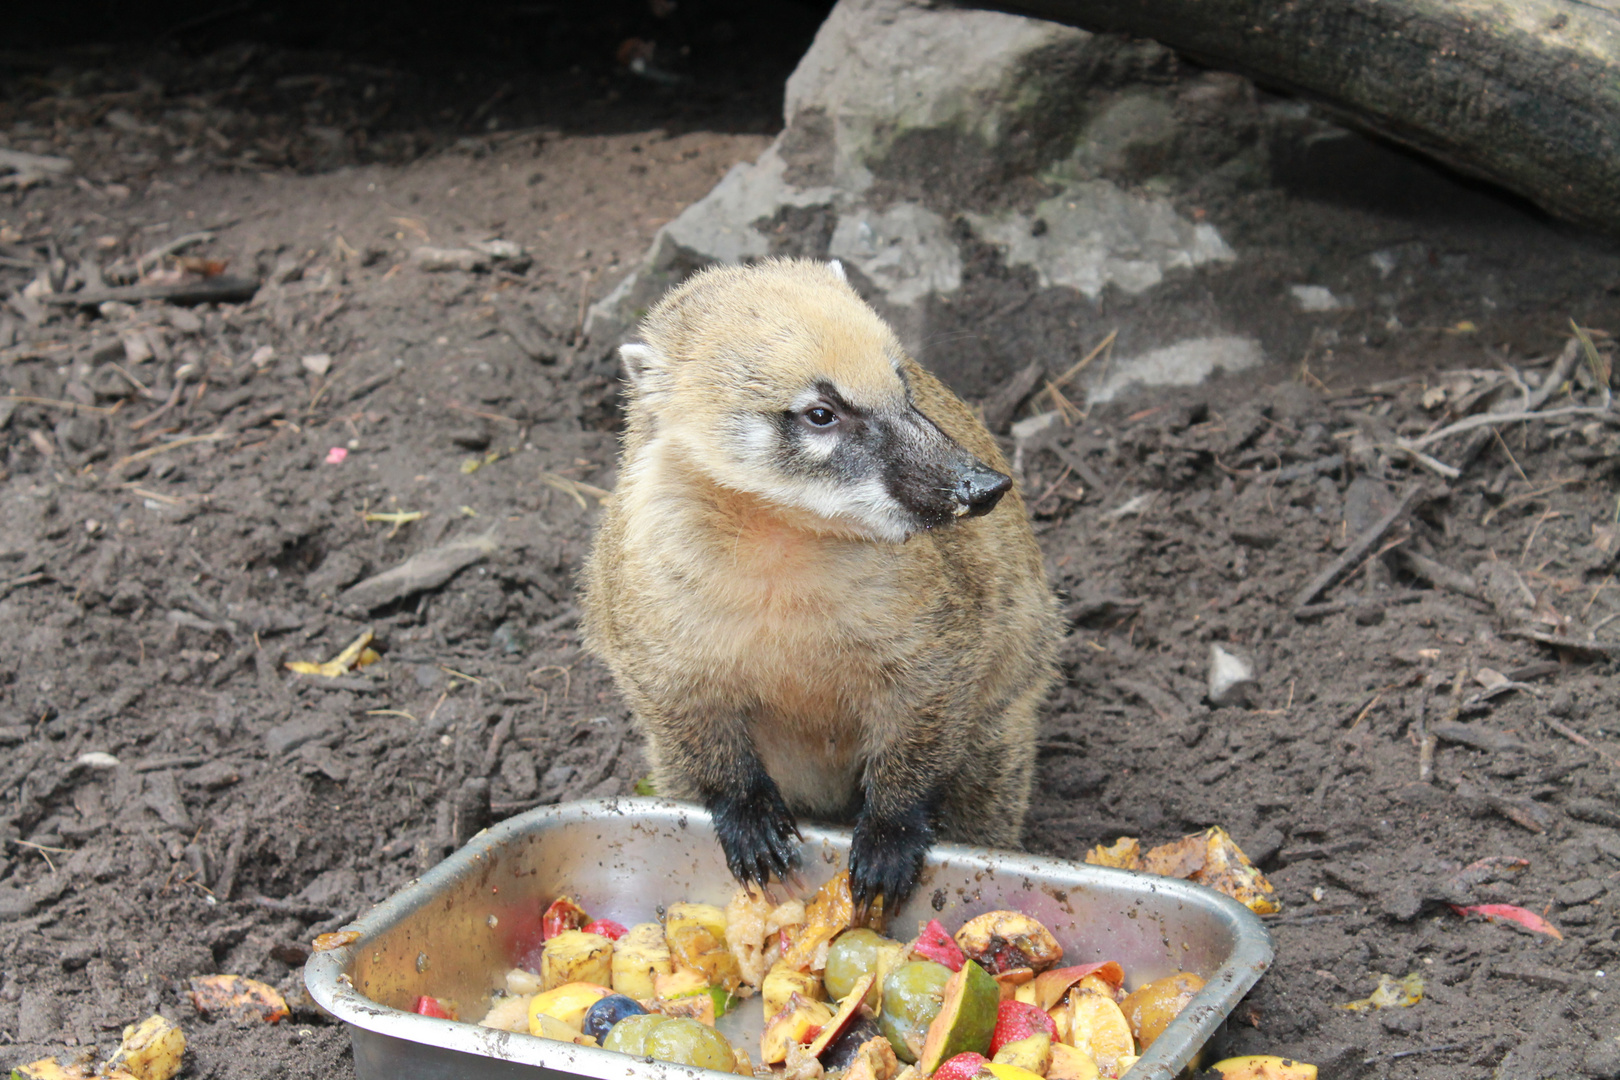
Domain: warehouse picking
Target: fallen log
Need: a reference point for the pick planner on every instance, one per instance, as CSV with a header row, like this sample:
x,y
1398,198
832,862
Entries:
x,y
1522,93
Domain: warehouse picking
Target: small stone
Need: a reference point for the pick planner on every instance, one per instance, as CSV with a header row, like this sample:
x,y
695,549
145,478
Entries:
x,y
316,364
1315,298
440,259
1231,678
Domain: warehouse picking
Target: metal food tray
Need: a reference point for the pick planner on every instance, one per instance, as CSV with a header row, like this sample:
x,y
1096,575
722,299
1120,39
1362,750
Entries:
x,y
454,933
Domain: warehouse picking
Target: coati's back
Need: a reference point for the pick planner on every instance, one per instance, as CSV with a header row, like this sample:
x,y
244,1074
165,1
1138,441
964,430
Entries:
x,y
814,584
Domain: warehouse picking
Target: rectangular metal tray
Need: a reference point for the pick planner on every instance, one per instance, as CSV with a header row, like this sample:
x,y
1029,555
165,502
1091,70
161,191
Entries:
x,y
454,933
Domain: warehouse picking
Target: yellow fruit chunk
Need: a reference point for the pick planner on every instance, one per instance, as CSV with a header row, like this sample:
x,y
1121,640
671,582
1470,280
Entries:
x,y
1150,1007
1123,854
639,957
1003,1071
696,936
1264,1067
574,956
1033,1053
1096,1026
151,1050
568,1003
827,915
1071,1064
782,982
790,1027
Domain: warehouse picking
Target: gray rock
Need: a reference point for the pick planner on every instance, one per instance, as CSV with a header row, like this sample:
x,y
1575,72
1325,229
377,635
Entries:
x,y
901,114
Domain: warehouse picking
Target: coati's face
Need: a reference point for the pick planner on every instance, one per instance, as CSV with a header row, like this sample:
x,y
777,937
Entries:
x,y
779,381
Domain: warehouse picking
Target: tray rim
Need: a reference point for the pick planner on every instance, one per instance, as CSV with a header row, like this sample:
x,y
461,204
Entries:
x,y
327,982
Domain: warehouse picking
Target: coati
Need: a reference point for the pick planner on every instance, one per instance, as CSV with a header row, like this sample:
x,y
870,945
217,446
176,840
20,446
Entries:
x,y
815,584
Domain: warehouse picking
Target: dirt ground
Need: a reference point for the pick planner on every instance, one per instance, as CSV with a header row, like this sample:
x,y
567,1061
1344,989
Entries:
x,y
175,525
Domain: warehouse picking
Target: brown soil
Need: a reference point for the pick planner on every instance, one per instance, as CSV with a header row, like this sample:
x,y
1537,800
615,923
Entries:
x,y
151,591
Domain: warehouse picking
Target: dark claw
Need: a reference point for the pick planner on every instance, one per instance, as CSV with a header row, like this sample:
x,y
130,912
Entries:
x,y
886,858
757,833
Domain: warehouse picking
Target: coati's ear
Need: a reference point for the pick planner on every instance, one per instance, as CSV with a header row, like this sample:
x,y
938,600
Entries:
x,y
642,363
838,270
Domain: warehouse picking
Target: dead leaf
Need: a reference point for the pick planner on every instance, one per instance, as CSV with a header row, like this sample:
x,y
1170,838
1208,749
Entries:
x,y
1510,913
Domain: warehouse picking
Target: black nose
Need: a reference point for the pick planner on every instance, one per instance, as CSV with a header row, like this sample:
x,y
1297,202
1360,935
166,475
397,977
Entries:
x,y
979,488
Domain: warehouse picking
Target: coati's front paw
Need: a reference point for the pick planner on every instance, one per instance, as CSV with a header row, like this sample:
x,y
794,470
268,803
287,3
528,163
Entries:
x,y
886,857
757,833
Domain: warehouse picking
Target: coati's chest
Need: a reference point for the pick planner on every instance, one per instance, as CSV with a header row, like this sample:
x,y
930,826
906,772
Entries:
x,y
803,632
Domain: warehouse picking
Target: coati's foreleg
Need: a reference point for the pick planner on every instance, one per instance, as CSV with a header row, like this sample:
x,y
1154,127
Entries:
x,y
713,761
904,785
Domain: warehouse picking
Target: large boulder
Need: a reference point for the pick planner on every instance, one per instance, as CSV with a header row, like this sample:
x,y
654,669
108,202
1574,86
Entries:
x,y
955,161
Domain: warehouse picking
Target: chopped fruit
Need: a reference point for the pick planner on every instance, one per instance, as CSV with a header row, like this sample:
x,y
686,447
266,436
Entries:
x,y
607,928
574,956
1071,1064
847,1012
936,945
966,1020
563,914
431,1006
1096,1026
568,1003
964,1066
1033,1053
1050,986
1150,1007
1015,1021
696,936
796,1024
912,994
1263,1067
1003,940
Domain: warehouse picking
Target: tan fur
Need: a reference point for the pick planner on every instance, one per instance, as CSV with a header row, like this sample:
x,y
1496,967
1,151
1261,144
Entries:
x,y
739,608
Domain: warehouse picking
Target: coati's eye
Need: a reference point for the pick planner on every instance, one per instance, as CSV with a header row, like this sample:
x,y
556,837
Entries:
x,y
820,416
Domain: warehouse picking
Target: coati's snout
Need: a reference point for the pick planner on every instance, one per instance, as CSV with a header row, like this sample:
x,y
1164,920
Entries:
x,y
934,479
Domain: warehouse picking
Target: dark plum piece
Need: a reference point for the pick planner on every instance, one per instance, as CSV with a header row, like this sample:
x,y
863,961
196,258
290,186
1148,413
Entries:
x,y
841,1051
601,1017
